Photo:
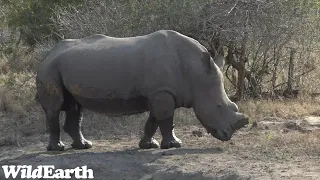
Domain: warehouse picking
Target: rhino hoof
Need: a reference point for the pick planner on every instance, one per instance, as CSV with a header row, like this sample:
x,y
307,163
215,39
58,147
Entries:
x,y
170,144
85,144
55,147
148,144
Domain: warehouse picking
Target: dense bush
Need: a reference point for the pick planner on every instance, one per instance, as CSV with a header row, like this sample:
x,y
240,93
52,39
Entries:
x,y
127,18
34,19
256,37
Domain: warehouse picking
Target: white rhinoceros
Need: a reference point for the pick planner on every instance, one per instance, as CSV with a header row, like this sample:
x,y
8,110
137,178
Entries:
x,y
158,72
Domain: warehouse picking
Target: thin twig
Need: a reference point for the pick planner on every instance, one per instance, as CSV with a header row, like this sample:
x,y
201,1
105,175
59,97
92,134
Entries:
x,y
233,7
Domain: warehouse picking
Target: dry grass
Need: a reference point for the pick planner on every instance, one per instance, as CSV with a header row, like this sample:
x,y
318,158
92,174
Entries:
x,y
293,142
8,105
289,109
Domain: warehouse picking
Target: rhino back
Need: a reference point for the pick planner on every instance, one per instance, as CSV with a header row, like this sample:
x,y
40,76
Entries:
x,y
124,68
120,74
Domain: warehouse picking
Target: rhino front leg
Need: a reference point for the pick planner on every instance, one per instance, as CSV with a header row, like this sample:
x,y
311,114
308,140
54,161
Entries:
x,y
163,106
73,127
169,138
150,128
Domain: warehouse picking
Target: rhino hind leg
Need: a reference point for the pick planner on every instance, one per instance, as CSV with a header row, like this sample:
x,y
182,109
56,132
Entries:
x,y
50,97
72,126
162,107
150,128
55,143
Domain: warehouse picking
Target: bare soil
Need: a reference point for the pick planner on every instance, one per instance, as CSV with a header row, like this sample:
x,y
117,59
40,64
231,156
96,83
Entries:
x,y
267,151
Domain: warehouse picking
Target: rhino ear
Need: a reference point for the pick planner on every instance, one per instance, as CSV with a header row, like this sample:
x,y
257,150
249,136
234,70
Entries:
x,y
206,60
219,60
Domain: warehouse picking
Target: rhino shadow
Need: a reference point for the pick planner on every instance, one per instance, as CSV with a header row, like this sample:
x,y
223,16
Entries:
x,y
129,164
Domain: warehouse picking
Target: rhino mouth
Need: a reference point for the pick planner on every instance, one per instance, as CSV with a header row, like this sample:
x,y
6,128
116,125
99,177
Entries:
x,y
211,131
221,135
224,134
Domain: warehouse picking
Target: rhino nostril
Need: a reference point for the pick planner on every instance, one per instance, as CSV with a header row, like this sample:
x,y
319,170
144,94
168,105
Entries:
x,y
225,133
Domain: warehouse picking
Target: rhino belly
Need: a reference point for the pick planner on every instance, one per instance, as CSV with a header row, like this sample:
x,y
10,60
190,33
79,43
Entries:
x,y
115,106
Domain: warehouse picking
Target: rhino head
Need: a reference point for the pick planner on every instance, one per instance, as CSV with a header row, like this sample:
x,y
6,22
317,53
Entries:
x,y
216,112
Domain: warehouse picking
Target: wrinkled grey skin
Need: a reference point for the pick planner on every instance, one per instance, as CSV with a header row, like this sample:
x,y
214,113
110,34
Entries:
x,y
158,72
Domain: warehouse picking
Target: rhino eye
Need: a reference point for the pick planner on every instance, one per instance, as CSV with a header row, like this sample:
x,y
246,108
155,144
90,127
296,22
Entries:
x,y
219,105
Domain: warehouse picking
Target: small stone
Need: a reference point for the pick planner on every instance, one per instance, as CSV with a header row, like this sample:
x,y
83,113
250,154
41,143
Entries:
x,y
292,125
254,124
306,130
285,130
197,133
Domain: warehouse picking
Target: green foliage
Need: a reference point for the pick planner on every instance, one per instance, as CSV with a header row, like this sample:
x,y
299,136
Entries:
x,y
33,19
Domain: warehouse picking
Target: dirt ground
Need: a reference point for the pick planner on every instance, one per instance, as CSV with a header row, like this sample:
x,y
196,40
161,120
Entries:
x,y
267,151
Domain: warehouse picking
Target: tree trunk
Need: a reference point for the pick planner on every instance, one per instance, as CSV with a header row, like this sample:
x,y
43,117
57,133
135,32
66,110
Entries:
x,y
276,58
232,60
241,71
291,70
